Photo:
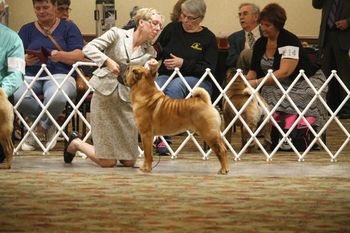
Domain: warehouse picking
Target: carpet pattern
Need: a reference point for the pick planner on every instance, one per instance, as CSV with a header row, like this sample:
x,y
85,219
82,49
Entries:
x,y
127,200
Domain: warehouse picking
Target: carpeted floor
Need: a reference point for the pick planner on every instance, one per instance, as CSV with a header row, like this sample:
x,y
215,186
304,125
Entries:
x,y
41,194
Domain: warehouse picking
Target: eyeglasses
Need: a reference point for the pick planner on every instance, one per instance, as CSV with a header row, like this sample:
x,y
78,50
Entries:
x,y
188,17
155,23
62,9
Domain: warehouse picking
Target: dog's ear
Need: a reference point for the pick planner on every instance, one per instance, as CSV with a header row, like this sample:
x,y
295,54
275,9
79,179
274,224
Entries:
x,y
137,73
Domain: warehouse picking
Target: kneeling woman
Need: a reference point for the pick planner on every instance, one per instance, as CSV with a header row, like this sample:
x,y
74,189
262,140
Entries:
x,y
114,132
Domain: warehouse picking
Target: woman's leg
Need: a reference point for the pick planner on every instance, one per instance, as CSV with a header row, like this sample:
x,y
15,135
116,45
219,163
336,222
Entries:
x,y
59,102
89,150
177,89
29,107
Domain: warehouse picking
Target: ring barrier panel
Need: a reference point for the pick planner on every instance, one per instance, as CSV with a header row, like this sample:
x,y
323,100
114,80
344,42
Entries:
x,y
75,107
237,153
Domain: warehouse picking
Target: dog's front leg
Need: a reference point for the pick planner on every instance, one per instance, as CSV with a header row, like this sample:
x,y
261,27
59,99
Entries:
x,y
8,150
147,140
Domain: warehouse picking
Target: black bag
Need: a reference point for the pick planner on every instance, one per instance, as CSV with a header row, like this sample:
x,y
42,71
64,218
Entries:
x,y
300,136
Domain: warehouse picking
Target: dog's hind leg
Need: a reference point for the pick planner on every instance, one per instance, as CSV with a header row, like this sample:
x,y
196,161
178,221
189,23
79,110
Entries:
x,y
147,140
218,146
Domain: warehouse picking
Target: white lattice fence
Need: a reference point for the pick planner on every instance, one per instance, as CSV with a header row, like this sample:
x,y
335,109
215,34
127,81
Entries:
x,y
236,151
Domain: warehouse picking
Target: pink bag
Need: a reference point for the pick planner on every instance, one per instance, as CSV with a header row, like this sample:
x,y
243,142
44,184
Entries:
x,y
300,135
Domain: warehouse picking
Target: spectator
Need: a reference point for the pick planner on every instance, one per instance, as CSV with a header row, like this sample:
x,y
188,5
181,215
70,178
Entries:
x,y
175,15
241,42
334,40
63,9
189,46
114,132
50,33
281,51
12,63
131,23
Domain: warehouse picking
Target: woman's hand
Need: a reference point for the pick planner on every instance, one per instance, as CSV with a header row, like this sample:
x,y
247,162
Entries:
x,y
30,59
253,83
173,62
113,66
55,56
152,65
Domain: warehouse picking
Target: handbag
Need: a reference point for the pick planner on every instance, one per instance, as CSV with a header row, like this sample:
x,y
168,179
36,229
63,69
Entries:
x,y
300,136
81,85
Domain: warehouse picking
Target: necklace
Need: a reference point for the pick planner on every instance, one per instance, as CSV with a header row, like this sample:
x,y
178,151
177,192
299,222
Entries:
x,y
47,30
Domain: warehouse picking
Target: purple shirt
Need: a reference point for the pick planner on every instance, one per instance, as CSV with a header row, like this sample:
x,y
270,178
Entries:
x,y
68,36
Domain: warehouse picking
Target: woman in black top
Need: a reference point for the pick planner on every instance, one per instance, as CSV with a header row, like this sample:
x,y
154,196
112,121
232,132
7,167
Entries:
x,y
282,52
190,47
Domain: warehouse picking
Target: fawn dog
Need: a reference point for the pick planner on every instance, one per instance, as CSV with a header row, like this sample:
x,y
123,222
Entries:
x,y
157,114
238,93
6,129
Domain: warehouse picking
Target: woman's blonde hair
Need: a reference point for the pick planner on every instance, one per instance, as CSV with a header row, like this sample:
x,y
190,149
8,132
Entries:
x,y
145,14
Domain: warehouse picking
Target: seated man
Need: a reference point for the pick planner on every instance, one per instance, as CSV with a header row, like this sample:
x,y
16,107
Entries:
x,y
241,42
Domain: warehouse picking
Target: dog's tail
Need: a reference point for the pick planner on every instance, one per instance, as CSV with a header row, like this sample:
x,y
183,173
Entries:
x,y
203,94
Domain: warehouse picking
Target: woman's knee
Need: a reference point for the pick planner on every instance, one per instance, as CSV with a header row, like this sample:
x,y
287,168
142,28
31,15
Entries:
x,y
107,163
128,163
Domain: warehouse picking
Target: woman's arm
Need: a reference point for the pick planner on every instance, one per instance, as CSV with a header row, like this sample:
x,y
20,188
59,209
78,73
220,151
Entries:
x,y
68,58
95,48
287,67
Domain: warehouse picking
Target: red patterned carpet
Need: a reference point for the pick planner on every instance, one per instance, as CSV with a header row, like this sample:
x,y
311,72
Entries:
x,y
41,194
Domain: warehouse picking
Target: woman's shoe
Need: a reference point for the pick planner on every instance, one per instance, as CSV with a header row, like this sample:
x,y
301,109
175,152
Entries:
x,y
68,157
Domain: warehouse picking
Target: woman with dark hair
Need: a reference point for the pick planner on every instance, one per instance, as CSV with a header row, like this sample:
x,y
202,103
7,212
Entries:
x,y
63,9
62,42
281,51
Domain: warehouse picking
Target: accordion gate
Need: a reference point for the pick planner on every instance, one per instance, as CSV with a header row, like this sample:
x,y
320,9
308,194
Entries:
x,y
237,153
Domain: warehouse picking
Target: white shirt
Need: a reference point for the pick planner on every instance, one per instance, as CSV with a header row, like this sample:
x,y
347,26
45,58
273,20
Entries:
x,y
256,35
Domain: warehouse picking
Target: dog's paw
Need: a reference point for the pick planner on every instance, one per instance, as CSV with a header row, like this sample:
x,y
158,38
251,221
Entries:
x,y
223,171
5,165
145,169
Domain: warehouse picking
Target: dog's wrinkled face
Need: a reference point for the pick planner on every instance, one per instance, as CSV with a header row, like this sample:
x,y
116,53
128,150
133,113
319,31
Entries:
x,y
135,73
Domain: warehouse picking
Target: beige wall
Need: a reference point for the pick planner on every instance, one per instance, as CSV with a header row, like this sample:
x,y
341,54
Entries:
x,y
221,15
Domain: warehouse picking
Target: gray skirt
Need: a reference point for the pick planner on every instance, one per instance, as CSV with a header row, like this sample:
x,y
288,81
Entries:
x,y
301,94
114,132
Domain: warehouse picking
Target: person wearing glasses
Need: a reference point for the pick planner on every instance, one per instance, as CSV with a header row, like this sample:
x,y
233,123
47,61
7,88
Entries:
x,y
63,9
62,42
241,42
114,132
12,64
189,46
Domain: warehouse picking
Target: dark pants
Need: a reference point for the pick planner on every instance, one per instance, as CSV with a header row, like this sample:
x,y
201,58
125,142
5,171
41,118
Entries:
x,y
2,153
335,58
